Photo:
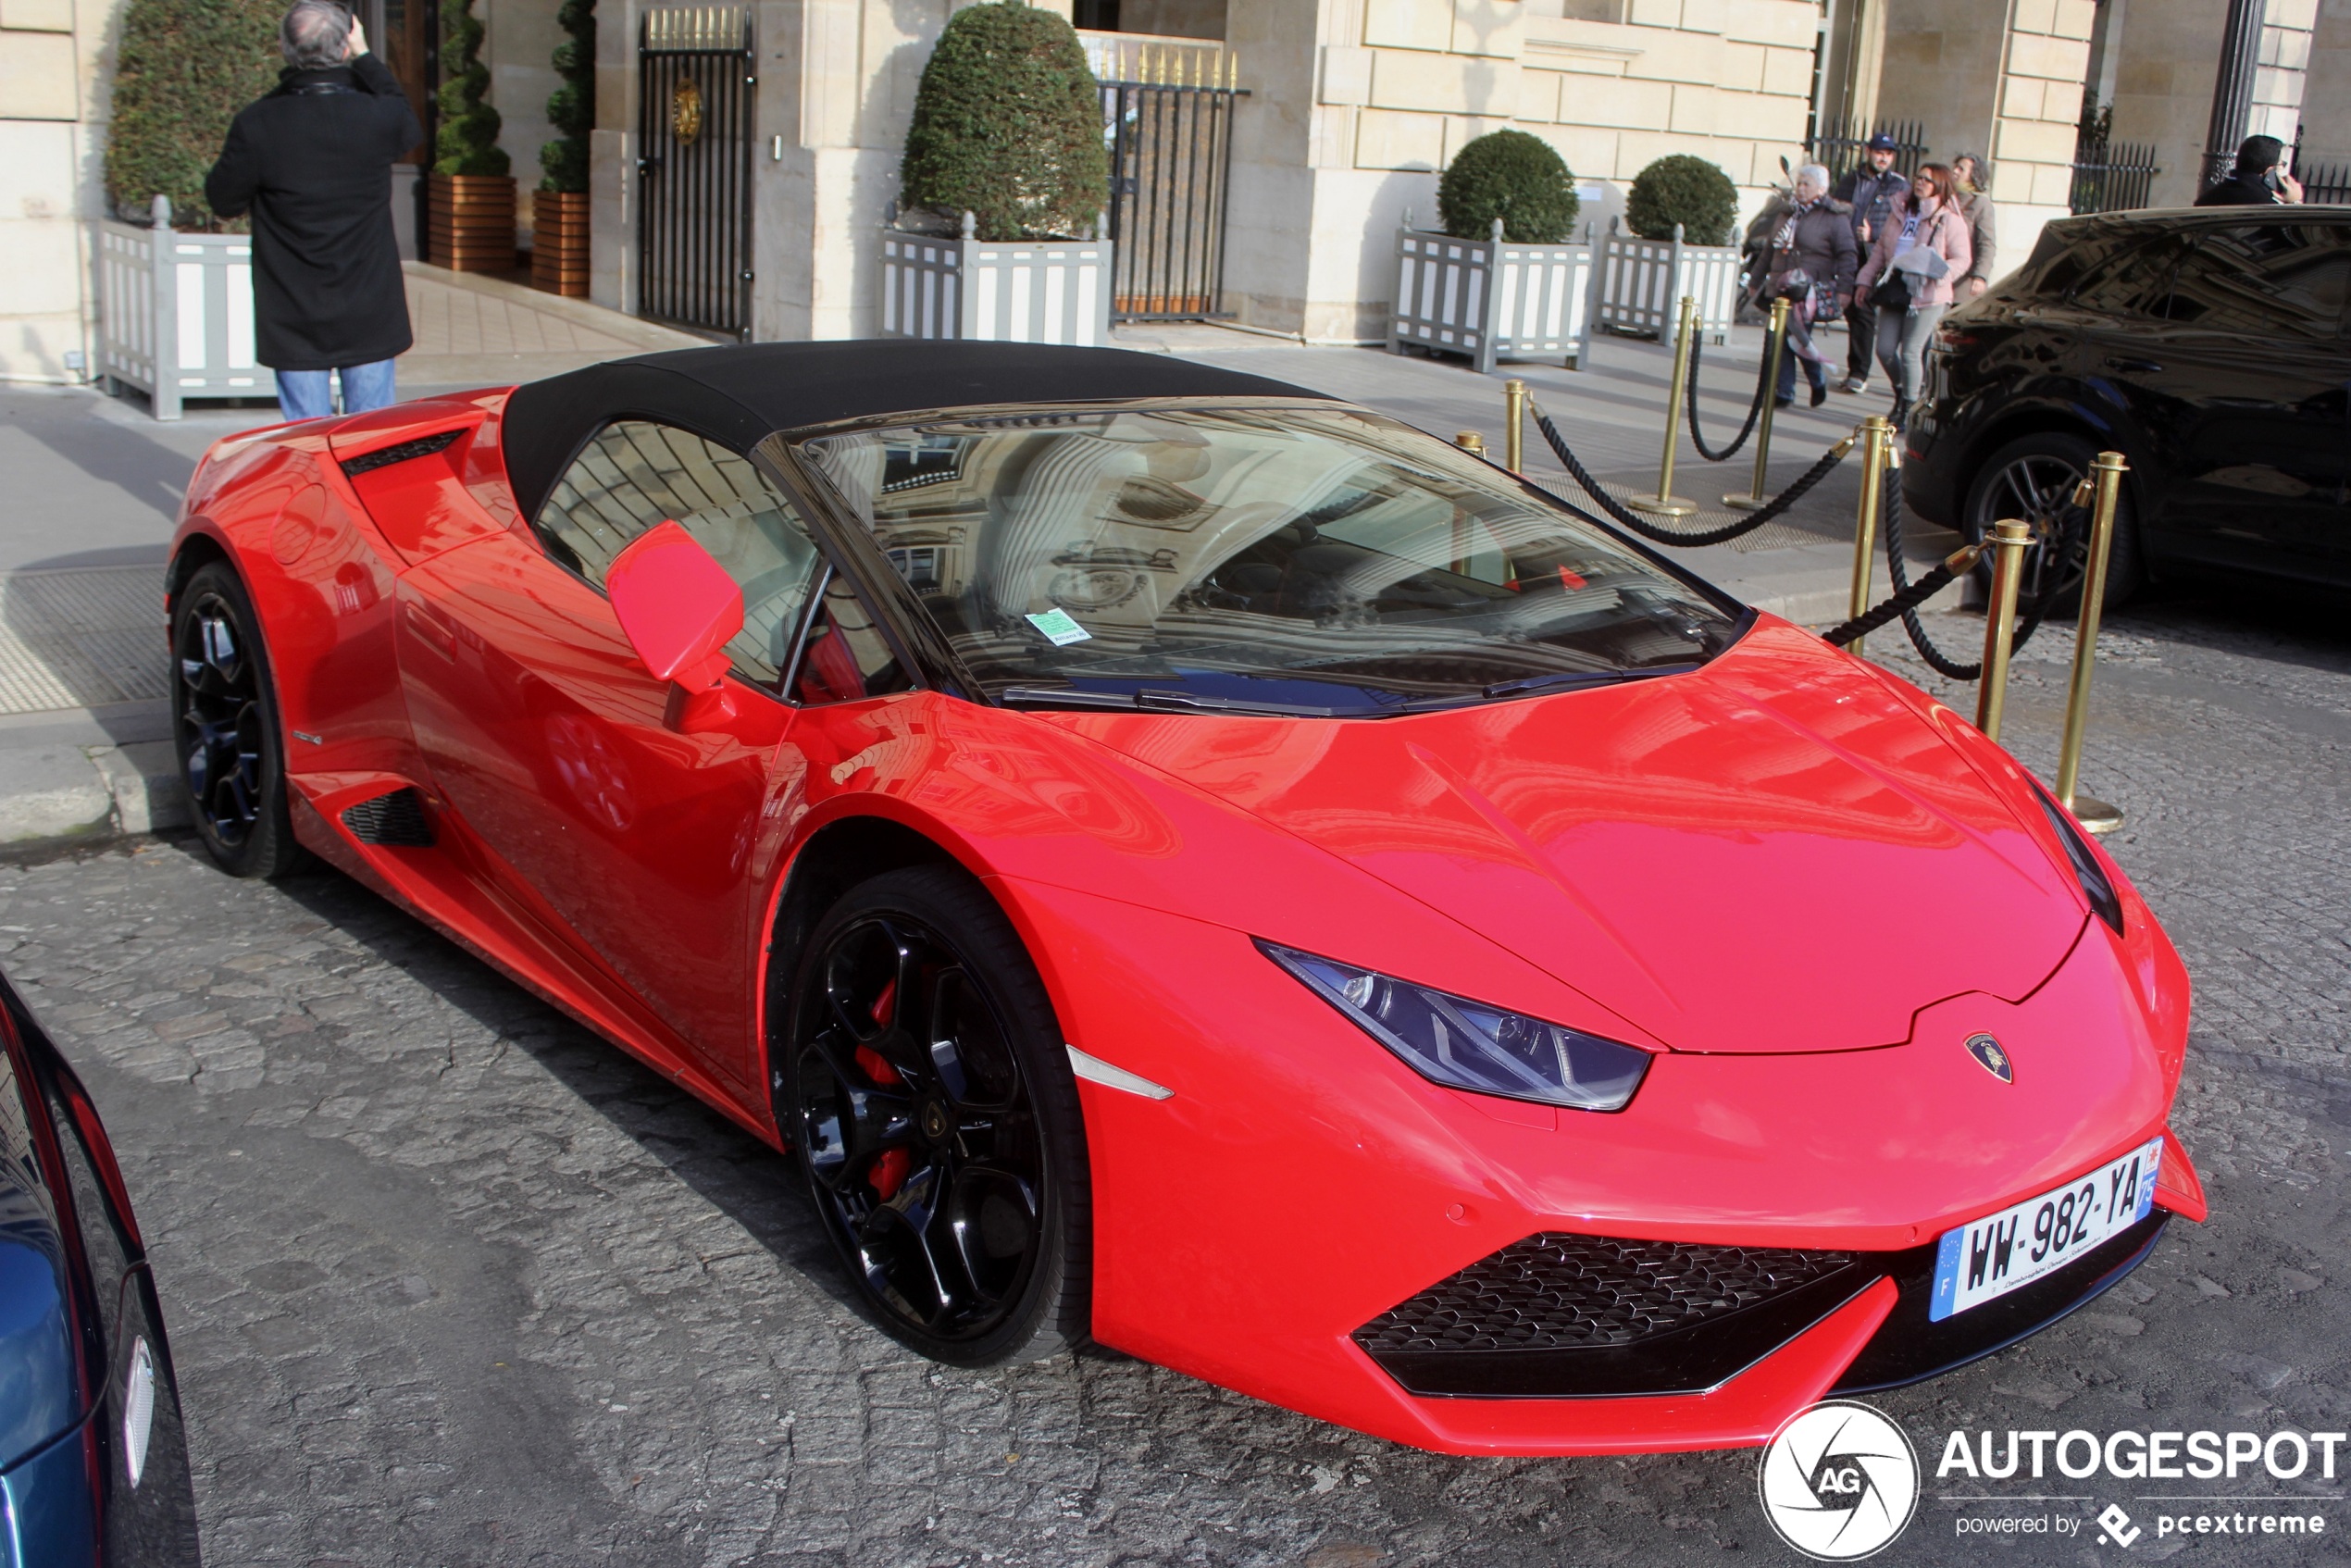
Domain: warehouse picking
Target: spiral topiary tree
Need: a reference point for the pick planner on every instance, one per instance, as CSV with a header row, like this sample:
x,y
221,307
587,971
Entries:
x,y
183,71
467,141
1685,190
571,108
1008,125
1512,176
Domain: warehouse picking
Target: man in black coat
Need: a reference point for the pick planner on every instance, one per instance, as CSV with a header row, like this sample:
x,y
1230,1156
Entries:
x,y
313,163
1869,189
2260,178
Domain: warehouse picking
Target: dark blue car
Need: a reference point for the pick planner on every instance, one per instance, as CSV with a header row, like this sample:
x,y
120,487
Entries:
x,y
93,1460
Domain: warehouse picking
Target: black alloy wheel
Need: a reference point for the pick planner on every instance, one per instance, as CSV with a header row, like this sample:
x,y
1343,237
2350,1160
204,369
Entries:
x,y
928,1093
232,757
2033,479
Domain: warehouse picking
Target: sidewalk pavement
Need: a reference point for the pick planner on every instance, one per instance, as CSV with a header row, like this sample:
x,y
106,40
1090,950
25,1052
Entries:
x,y
95,485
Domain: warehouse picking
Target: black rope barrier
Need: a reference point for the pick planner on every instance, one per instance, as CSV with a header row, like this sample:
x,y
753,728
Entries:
x,y
1649,530
1940,661
1906,602
1754,410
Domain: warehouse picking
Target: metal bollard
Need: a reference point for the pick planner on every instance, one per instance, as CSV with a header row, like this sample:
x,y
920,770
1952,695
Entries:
x,y
1470,441
1514,426
1664,504
1877,436
1777,346
2010,537
2105,486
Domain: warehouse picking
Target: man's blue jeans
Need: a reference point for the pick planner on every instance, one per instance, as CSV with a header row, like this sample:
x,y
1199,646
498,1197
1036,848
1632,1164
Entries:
x,y
307,395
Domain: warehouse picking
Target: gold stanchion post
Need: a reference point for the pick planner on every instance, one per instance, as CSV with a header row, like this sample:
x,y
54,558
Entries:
x,y
1876,435
1470,441
1775,344
1514,426
1664,504
2009,538
2106,480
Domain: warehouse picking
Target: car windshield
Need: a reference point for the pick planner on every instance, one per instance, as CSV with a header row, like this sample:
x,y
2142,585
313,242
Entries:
x,y
1271,558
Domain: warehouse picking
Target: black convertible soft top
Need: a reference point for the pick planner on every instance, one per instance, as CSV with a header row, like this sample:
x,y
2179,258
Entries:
x,y
739,396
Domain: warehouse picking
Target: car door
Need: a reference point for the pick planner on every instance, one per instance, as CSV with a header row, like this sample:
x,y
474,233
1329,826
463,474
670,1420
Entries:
x,y
2256,399
647,839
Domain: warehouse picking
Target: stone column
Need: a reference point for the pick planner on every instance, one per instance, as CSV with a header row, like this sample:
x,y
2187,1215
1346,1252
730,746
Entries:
x,y
2233,88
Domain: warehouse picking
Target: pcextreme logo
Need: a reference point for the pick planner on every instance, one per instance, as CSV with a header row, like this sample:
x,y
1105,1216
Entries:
x,y
1839,1482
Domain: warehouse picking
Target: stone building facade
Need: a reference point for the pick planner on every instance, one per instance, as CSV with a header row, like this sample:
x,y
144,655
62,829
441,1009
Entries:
x,y
1353,108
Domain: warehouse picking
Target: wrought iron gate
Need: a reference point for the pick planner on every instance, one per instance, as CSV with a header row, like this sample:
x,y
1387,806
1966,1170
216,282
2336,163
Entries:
x,y
1168,116
694,81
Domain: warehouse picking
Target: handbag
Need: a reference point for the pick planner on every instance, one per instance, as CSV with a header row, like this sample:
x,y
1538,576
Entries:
x,y
1893,291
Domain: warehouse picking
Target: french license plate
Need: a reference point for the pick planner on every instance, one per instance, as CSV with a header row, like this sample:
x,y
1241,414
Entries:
x,y
2001,1253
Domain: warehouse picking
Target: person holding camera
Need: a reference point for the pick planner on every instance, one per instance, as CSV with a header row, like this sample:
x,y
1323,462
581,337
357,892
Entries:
x,y
1808,260
1921,252
312,163
2261,179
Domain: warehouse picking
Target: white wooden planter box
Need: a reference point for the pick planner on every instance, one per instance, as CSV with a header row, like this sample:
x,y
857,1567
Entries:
x,y
1642,282
175,314
1490,299
1009,291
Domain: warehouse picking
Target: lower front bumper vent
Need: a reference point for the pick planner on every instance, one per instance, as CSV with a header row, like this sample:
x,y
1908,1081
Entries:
x,y
397,819
1562,1316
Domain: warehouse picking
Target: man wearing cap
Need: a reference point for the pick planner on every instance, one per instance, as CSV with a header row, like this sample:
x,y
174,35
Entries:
x,y
2261,178
1871,189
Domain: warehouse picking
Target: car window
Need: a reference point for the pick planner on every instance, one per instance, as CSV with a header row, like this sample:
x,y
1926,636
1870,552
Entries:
x,y
2273,279
2135,282
845,657
636,474
1320,559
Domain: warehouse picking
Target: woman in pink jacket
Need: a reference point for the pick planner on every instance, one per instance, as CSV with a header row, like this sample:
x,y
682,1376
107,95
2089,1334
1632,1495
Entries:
x,y
1927,222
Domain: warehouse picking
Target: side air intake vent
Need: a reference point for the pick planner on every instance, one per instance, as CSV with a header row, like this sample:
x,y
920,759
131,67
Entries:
x,y
397,819
423,446
1558,1314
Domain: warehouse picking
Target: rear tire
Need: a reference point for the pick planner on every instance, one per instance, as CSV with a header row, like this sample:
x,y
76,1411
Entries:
x,y
2032,478
924,1084
225,715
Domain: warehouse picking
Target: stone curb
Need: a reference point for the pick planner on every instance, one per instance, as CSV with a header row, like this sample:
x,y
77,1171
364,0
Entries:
x,y
59,793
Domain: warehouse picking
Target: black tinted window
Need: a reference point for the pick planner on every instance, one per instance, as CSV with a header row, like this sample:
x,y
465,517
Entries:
x,y
2132,281
2267,280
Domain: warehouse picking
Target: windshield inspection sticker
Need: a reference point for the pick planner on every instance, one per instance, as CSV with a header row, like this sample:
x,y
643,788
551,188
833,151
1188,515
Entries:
x,y
1059,629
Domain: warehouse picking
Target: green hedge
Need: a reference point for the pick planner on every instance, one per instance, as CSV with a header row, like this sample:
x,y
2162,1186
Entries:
x,y
1685,190
1008,125
183,71
571,108
1512,176
468,140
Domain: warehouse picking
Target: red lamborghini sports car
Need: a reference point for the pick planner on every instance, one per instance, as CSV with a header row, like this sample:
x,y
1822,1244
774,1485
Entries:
x,y
1190,864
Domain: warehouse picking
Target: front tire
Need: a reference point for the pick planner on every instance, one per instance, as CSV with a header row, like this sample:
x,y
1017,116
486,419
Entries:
x,y
925,1088
225,710
2033,479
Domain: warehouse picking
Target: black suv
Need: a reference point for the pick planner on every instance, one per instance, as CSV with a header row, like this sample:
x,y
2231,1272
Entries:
x,y
2211,346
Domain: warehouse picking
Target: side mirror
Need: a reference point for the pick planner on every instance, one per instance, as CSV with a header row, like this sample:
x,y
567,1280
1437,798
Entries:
x,y
678,608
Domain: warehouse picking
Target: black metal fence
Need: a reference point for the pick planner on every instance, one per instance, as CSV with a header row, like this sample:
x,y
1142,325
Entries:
x,y
1838,144
2327,182
1167,118
695,75
2111,176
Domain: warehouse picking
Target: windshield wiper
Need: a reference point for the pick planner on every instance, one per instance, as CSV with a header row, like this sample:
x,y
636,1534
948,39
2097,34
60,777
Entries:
x,y
1580,678
1149,701
1052,697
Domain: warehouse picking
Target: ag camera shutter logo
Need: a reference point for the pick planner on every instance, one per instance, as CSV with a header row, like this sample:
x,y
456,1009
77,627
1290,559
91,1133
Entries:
x,y
1839,1482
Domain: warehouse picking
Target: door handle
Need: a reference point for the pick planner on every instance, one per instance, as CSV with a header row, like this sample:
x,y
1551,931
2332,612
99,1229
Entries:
x,y
430,629
2145,367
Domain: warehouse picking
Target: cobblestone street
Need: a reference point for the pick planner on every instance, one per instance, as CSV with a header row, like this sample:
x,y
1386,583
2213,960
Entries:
x,y
453,1283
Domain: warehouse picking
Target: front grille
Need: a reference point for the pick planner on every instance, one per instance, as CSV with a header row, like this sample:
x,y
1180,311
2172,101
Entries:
x,y
1557,1292
396,819
1565,1315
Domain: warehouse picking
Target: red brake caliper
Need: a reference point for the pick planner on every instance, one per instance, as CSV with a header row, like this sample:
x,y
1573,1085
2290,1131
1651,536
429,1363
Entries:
x,y
890,1167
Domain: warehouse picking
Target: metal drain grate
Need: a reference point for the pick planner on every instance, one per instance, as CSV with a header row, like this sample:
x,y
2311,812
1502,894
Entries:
x,y
81,639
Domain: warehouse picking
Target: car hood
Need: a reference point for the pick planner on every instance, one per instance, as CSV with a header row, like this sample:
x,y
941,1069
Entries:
x,y
1774,854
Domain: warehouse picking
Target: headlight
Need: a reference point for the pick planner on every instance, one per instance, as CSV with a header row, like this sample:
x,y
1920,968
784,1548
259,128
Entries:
x,y
2096,884
1463,1044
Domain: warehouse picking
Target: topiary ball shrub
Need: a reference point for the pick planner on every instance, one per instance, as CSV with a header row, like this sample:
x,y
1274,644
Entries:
x,y
183,71
571,108
1008,125
1517,178
467,141
1685,190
